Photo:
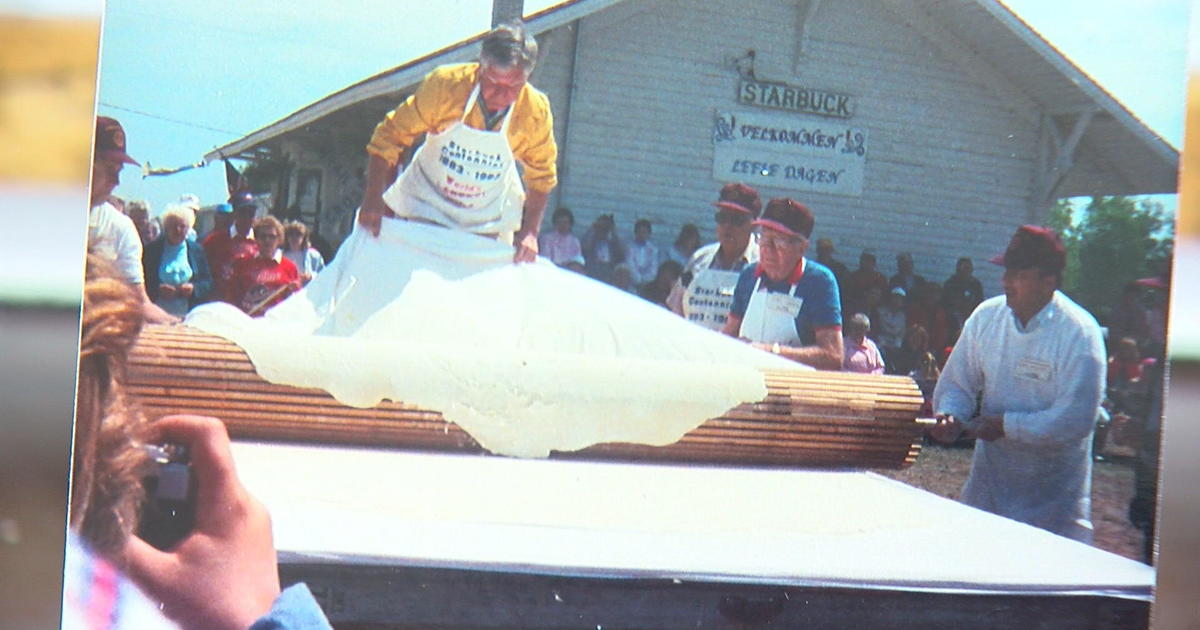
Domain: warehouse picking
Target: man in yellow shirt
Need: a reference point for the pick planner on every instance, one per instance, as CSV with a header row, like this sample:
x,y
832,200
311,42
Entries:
x,y
480,118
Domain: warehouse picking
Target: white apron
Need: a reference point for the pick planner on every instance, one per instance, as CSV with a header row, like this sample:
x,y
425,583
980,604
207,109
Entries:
x,y
771,317
709,296
463,177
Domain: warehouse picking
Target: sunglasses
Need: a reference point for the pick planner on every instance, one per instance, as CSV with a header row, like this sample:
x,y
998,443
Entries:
x,y
731,217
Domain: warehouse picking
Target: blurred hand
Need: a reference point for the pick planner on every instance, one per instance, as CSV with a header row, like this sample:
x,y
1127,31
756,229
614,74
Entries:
x,y
990,428
526,244
155,314
370,215
947,430
223,576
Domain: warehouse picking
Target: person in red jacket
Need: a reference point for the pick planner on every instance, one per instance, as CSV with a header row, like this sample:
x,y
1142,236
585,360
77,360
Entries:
x,y
262,281
224,246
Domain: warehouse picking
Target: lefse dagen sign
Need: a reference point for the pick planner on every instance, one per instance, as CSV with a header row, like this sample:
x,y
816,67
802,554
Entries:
x,y
783,151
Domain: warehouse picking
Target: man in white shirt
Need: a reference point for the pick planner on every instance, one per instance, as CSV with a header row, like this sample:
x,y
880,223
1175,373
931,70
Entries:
x,y
111,234
704,292
1035,361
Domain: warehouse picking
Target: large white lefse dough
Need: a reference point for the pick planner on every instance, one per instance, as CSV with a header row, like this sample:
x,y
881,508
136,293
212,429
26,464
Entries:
x,y
525,358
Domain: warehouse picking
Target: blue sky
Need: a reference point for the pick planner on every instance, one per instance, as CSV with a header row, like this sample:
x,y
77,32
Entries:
x,y
187,77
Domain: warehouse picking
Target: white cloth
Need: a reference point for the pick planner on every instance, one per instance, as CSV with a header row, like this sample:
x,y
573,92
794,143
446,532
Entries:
x,y
1047,379
707,298
463,177
112,235
716,524
526,358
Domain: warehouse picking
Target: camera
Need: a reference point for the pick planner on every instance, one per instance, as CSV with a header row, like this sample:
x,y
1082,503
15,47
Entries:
x,y
168,513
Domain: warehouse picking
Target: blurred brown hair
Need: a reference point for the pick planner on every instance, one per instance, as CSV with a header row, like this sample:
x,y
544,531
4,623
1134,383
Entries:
x,y
108,460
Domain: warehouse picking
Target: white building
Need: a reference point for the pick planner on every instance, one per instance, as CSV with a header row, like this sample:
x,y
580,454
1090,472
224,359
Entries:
x,y
929,126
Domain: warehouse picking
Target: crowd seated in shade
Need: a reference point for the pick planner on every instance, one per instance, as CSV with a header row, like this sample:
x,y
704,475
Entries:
x,y
926,309
560,245
686,244
658,289
889,323
642,254
914,346
622,278
861,280
905,277
861,354
602,249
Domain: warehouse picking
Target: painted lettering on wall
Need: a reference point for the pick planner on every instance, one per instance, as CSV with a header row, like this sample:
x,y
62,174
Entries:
x,y
795,98
786,151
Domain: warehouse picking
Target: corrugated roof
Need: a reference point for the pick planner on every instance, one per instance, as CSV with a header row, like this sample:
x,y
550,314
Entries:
x,y
1118,154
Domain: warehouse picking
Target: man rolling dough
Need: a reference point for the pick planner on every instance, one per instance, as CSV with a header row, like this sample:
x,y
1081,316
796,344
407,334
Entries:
x,y
479,120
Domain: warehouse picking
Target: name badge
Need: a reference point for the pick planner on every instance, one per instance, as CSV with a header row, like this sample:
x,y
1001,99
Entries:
x,y
1034,370
784,304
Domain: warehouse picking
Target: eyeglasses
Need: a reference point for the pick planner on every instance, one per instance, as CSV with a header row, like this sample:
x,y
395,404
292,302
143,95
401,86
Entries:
x,y
730,217
774,240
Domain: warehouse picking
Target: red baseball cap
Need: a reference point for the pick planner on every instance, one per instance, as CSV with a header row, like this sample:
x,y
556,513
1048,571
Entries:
x,y
1033,246
739,197
110,141
788,216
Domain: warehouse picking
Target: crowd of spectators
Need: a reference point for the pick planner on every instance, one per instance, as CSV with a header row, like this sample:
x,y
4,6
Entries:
x,y
635,265
249,261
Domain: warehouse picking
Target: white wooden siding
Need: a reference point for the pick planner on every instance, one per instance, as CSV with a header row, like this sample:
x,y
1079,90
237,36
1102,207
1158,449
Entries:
x,y
950,161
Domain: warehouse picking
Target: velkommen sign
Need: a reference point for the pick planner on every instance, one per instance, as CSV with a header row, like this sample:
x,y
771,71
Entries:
x,y
784,151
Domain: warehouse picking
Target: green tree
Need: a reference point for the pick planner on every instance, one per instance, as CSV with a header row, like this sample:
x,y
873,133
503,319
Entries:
x,y
1113,241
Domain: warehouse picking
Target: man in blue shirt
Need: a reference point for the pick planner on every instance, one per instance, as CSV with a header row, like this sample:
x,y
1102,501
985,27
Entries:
x,y
784,303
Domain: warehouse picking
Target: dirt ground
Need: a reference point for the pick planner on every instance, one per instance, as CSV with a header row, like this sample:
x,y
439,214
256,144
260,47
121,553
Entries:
x,y
942,471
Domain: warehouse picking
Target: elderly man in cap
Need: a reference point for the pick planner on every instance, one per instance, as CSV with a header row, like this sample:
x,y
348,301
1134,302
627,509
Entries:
x,y
1034,361
478,120
111,234
704,291
785,303
225,246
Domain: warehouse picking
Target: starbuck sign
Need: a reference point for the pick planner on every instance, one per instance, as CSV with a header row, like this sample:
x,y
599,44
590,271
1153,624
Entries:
x,y
794,98
781,150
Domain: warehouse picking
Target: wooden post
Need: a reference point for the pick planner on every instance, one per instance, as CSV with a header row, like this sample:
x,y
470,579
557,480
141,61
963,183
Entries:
x,y
507,11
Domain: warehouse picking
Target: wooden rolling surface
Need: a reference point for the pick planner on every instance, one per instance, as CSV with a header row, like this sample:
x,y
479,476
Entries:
x,y
808,419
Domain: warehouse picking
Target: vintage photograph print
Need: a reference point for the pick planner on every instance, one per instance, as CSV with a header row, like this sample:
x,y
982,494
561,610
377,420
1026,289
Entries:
x,y
630,313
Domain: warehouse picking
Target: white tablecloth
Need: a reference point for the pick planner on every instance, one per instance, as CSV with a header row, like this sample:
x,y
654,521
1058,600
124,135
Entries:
x,y
762,526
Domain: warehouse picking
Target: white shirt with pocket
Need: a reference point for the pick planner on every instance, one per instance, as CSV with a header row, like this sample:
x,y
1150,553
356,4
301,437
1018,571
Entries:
x,y
1047,379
